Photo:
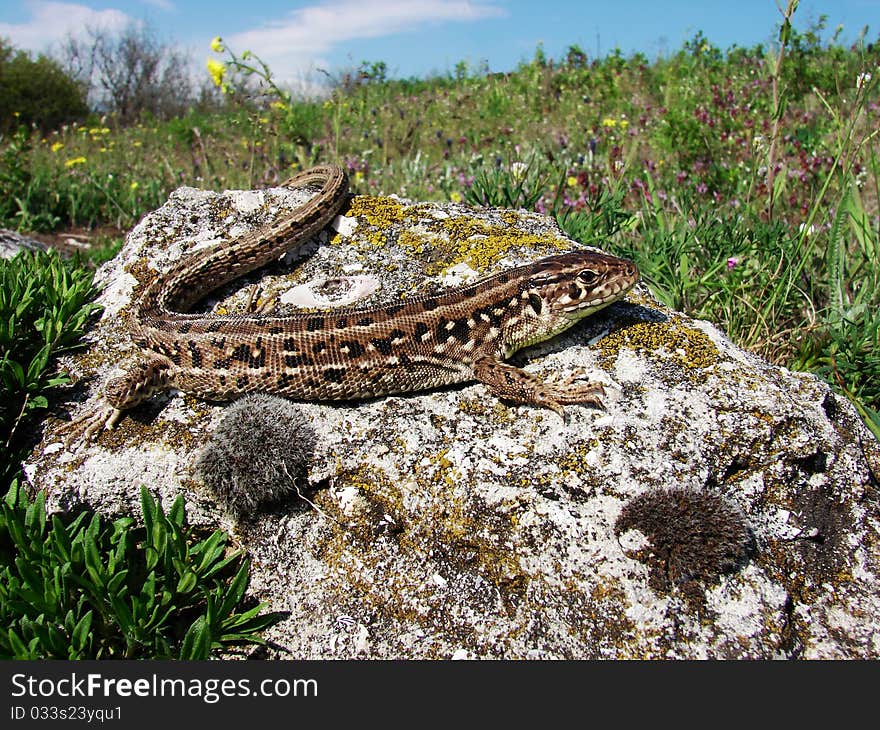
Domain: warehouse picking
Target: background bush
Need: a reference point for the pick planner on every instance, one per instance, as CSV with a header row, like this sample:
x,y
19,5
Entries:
x,y
36,92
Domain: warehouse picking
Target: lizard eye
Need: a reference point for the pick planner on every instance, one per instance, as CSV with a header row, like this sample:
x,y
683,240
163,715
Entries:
x,y
536,303
588,277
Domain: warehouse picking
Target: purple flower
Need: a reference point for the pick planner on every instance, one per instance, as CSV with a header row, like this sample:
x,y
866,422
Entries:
x,y
732,262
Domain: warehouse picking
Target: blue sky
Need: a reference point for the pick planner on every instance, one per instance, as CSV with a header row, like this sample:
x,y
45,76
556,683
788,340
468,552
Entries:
x,y
418,37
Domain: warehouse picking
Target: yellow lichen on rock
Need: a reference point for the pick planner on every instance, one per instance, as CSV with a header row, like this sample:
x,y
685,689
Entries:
x,y
454,240
689,348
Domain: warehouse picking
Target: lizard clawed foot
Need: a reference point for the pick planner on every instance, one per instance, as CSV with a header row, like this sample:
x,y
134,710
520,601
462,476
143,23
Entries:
x,y
512,383
556,391
568,390
86,427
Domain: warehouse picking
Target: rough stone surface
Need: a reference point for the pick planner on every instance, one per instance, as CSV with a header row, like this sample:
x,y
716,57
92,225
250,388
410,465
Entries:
x,y
12,242
448,524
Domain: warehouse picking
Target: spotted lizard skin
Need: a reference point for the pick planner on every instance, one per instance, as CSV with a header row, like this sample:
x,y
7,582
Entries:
x,y
421,343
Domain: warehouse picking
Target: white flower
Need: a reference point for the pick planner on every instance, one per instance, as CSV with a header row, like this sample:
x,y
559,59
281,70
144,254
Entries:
x,y
518,170
810,231
863,80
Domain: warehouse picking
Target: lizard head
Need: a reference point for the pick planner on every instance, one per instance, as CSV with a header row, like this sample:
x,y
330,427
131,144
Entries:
x,y
574,285
557,291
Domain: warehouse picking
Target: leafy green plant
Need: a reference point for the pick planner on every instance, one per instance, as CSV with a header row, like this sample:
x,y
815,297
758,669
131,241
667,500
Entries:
x,y
517,185
93,589
45,305
36,91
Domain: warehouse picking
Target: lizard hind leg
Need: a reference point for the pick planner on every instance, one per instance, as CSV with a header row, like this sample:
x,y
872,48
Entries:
x,y
139,384
514,384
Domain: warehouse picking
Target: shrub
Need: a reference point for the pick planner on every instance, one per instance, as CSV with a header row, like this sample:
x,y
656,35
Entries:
x,y
45,305
89,589
36,92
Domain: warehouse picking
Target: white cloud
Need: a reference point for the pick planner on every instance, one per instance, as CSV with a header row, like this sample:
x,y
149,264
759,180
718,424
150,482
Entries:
x,y
52,21
297,41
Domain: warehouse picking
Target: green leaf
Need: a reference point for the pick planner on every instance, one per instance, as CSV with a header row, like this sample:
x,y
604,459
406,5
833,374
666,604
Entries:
x,y
197,641
19,649
235,591
79,636
187,582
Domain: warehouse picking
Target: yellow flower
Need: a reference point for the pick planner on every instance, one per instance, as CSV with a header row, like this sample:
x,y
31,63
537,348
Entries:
x,y
137,143
73,161
264,120
455,196
571,180
134,185
624,123
217,44
217,70
609,122
280,105
57,146
358,176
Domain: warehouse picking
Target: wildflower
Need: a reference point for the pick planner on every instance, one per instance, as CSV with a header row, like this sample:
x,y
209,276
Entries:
x,y
609,123
280,105
73,161
518,170
57,146
134,186
217,71
809,231
732,262
217,44
455,196
137,143
624,123
571,181
358,176
863,80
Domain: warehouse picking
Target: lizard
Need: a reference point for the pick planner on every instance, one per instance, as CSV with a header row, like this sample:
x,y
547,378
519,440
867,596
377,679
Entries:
x,y
425,342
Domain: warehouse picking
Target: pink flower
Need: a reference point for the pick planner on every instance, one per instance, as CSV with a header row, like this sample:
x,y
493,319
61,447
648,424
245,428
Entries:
x,y
732,262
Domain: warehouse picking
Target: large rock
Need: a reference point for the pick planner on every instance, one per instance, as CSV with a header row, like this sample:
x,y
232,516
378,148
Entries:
x,y
718,507
12,242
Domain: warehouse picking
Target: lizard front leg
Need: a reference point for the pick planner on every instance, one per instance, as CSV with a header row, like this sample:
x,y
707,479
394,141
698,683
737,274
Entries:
x,y
143,381
517,385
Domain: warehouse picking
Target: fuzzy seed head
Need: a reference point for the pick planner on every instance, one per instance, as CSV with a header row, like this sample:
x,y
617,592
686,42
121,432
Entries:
x,y
261,447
